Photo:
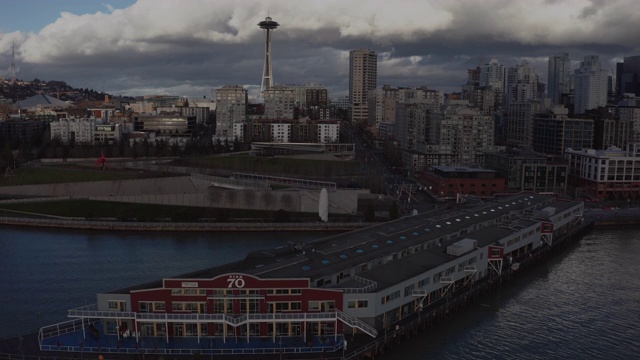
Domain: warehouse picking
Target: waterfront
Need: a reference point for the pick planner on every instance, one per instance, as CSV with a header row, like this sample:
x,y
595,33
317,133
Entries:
x,y
45,272
584,303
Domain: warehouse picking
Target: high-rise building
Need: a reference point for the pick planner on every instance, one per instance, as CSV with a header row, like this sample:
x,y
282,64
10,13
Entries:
x,y
522,84
231,108
492,74
267,74
363,78
628,76
559,77
590,83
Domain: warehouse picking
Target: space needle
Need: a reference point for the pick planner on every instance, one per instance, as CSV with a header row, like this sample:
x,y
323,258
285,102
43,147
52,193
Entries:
x,y
267,75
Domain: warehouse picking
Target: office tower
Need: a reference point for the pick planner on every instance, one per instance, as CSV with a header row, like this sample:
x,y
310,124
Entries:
x,y
559,77
267,74
590,83
628,77
231,109
363,78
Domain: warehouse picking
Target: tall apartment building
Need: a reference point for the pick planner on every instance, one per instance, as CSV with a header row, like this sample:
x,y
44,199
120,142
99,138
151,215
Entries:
x,y
519,120
279,102
311,100
454,134
231,108
590,85
492,74
363,78
412,121
465,132
559,76
383,104
522,84
629,112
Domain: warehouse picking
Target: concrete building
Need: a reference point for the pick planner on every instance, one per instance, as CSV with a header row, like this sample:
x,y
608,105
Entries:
x,y
328,132
527,171
522,84
559,77
165,125
628,110
280,132
363,78
464,131
413,125
590,83
519,120
108,133
311,100
279,102
231,108
383,103
78,131
612,174
555,131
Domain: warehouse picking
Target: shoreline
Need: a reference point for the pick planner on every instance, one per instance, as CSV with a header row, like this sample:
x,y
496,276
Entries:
x,y
180,226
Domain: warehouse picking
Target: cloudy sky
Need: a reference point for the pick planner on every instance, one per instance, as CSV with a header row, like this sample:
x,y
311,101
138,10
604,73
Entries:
x,y
190,47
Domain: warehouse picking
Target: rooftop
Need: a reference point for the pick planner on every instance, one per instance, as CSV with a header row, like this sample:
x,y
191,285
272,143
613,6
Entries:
x,y
320,258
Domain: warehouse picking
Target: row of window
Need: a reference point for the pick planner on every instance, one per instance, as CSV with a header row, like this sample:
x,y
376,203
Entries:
x,y
223,292
224,306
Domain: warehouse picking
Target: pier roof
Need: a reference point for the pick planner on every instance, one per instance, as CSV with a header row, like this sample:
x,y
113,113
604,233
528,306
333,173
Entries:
x,y
344,252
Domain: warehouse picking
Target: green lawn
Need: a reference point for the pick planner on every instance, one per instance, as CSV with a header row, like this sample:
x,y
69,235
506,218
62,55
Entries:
x,y
55,175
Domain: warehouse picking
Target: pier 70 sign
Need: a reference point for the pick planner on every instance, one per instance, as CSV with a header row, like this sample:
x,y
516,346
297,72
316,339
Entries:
x,y
237,281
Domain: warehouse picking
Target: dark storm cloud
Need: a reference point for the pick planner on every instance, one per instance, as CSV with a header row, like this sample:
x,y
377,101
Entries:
x,y
157,46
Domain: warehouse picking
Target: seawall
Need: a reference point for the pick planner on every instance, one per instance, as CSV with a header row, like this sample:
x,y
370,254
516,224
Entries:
x,y
181,226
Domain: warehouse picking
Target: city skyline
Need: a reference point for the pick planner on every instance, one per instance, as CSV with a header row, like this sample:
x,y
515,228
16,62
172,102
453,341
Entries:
x,y
157,47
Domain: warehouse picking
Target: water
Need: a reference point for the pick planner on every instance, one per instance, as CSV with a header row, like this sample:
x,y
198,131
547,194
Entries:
x,y
45,272
583,304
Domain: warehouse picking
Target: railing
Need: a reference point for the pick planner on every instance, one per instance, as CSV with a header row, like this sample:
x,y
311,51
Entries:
x,y
91,311
62,328
357,323
370,285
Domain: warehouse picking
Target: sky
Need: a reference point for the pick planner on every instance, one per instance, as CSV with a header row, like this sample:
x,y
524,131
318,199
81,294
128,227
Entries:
x,y
190,47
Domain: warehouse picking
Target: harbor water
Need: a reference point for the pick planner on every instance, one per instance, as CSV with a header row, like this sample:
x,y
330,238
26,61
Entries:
x,y
584,303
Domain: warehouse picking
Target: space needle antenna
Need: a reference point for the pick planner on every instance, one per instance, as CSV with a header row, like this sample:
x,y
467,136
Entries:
x,y
267,73
12,69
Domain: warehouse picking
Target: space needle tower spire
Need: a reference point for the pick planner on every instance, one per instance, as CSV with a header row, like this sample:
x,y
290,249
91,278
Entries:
x,y
267,74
